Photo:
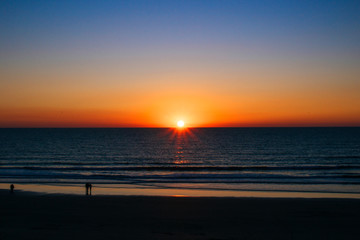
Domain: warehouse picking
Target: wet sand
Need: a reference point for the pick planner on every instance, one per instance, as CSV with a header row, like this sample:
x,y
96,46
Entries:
x,y
48,216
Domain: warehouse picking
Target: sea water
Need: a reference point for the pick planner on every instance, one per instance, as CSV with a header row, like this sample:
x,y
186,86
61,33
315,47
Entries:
x,y
237,159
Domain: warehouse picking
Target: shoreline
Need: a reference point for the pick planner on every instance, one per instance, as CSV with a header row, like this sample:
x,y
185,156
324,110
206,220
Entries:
x,y
131,190
63,216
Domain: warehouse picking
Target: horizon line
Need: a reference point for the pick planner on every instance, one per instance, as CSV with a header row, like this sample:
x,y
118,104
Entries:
x,y
355,126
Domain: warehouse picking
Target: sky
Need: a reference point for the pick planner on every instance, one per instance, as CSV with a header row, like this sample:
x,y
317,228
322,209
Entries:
x,y
151,63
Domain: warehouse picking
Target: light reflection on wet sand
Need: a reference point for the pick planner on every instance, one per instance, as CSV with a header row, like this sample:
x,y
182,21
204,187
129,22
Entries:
x,y
130,190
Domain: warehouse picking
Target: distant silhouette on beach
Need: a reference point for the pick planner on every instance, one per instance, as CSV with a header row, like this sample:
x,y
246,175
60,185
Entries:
x,y
88,187
12,188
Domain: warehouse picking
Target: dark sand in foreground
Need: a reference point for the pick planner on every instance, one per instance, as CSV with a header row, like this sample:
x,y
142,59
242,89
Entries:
x,y
26,216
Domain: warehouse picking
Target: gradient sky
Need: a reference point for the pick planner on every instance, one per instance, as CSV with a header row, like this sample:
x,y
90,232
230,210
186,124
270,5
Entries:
x,y
151,63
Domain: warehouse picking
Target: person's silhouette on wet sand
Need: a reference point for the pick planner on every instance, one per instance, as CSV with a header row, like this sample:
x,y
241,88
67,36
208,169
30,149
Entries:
x,y
88,187
12,188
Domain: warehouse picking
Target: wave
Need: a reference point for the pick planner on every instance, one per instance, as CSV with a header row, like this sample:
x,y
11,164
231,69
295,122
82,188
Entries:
x,y
185,168
343,157
258,177
112,180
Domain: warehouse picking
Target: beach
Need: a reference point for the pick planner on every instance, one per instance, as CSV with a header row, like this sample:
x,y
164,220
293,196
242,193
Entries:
x,y
65,216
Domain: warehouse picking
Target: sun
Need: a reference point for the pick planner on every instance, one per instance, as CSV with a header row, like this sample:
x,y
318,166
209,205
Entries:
x,y
180,123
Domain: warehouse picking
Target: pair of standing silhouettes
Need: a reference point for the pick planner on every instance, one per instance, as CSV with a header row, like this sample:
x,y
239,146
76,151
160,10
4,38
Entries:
x,y
88,187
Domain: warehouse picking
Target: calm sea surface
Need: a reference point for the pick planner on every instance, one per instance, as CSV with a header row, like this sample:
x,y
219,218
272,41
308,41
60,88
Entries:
x,y
288,159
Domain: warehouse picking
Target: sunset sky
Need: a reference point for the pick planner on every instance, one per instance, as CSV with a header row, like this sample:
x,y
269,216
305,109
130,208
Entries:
x,y
152,63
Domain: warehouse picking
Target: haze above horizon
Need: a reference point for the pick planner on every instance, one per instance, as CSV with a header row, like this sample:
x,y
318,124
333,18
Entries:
x,y
154,63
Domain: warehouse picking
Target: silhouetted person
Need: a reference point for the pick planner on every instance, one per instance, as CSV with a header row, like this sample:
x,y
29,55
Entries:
x,y
90,186
12,188
87,186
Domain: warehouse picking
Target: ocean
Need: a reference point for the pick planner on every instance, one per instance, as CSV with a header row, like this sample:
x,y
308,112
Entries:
x,y
221,159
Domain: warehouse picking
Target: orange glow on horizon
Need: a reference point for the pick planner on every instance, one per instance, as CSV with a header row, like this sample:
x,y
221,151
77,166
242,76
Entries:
x,y
165,106
108,118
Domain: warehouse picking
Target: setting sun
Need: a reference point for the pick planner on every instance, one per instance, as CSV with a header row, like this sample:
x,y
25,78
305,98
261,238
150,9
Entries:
x,y
180,123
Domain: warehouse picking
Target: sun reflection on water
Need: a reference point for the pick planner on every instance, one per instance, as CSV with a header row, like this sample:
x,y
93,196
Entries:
x,y
180,139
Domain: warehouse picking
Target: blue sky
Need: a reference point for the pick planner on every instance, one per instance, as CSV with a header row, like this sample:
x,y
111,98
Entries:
x,y
69,25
